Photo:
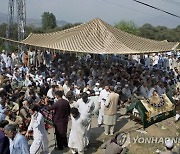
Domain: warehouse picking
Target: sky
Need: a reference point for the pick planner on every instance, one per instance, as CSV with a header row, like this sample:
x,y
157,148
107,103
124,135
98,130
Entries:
x,y
111,11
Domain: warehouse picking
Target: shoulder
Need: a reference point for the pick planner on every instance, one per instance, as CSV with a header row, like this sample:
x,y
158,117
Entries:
x,y
20,138
65,101
117,94
40,114
113,94
2,136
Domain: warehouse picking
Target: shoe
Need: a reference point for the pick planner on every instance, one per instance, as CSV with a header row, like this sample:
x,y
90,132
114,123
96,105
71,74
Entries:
x,y
111,134
106,134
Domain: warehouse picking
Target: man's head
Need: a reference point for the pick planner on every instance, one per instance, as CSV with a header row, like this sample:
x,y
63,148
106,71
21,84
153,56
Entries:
x,y
85,97
3,123
10,131
155,93
126,86
66,82
25,103
106,88
74,112
53,87
59,94
144,84
3,102
33,109
111,88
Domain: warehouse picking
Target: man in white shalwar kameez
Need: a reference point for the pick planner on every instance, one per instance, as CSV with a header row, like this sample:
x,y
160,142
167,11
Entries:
x,y
148,61
85,107
102,99
77,138
66,87
39,133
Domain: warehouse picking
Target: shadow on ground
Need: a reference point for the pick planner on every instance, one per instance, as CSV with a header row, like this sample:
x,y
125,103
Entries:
x,y
65,151
121,123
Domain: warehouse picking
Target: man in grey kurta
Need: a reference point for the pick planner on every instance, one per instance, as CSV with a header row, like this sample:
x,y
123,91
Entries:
x,y
110,111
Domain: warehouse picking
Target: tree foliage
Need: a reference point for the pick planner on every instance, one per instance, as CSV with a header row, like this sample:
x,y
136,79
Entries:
x,y
160,33
128,27
147,30
48,21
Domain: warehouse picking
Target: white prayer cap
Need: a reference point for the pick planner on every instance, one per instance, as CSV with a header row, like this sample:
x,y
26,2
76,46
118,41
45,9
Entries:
x,y
3,51
118,82
126,85
48,79
100,89
169,143
97,93
97,84
1,89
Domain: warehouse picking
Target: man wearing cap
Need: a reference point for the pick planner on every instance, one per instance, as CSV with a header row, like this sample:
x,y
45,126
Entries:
x,y
110,111
126,91
66,87
144,91
102,99
169,146
51,92
96,88
85,107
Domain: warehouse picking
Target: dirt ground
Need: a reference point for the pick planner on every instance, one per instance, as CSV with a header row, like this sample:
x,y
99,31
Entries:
x,y
158,131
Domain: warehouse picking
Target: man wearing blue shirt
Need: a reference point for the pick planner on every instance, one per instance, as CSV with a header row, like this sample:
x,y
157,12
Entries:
x,y
18,143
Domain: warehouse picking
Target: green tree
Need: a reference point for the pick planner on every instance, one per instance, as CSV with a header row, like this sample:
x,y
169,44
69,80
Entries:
x,y
127,26
147,31
3,30
48,21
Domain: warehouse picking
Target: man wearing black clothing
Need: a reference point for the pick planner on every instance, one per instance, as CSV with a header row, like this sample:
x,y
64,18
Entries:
x,y
61,115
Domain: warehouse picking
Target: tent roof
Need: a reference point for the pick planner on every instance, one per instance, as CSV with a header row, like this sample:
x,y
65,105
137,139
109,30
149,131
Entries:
x,y
98,37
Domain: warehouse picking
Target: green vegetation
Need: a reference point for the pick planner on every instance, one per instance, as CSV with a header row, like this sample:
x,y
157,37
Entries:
x,y
48,21
147,30
128,27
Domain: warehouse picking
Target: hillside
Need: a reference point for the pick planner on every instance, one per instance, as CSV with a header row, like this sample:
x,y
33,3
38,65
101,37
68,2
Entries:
x,y
34,22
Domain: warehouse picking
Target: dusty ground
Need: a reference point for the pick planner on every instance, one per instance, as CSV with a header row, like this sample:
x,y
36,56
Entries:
x,y
166,128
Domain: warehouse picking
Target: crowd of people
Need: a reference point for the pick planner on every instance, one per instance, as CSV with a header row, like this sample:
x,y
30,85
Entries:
x,y
42,89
